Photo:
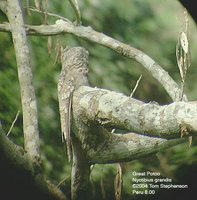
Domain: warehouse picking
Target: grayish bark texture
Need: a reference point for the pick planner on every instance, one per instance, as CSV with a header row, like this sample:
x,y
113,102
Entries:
x,y
28,98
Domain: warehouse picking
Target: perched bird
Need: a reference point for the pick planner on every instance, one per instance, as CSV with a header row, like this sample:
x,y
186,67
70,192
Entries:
x,y
73,75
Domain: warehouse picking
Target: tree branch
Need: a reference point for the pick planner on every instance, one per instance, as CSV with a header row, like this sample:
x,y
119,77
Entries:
x,y
97,110
112,109
89,34
128,147
154,68
28,98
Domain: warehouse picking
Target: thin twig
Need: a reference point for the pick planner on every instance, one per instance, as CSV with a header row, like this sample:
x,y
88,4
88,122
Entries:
x,y
136,85
12,125
49,14
62,181
75,6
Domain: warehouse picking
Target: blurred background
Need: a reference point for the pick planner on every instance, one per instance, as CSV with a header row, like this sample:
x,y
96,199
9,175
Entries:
x,y
150,25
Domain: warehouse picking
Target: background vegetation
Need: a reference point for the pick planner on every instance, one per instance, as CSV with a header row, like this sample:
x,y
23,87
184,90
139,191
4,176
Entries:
x,y
150,25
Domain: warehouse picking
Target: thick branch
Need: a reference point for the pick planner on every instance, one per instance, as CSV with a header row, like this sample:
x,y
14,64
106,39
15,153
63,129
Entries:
x,y
128,147
88,33
116,110
95,111
30,120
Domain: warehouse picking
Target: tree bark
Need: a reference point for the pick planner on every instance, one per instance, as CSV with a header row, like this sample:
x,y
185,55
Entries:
x,y
28,97
115,110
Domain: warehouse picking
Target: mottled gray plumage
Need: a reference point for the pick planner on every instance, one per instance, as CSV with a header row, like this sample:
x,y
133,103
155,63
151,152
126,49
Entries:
x,y
73,75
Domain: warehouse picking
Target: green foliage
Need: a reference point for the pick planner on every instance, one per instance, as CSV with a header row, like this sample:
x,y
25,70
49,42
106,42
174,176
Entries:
x,y
151,26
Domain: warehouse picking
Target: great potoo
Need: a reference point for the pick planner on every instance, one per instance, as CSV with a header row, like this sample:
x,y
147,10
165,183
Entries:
x,y
73,75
